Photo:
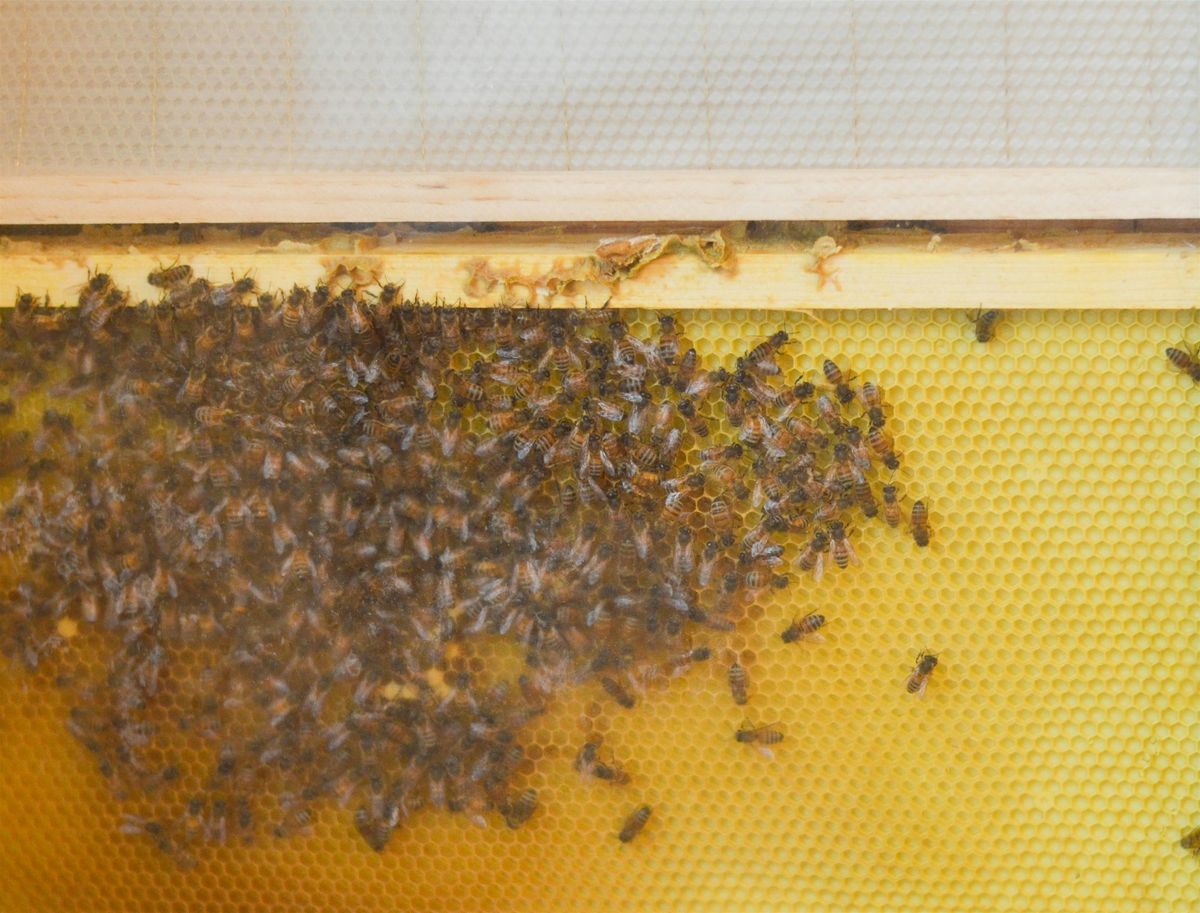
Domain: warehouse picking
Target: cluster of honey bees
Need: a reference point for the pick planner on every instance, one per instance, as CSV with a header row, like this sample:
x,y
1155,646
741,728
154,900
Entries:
x,y
305,522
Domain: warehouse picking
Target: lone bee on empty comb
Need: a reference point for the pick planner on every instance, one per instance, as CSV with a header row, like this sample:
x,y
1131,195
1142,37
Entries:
x,y
1191,842
920,524
985,324
634,823
759,736
1186,360
918,679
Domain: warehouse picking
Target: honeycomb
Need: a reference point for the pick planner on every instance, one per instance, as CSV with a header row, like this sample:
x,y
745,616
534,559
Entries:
x,y
1052,765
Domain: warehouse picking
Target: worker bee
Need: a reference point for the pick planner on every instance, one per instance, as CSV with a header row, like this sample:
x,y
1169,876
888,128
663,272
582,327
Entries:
x,y
694,422
762,357
843,551
1186,360
891,507
667,348
865,498
872,401
761,737
841,386
686,371
984,323
1191,842
739,683
634,824
813,557
588,754
882,445
617,692
920,524
170,277
805,626
520,809
918,679
700,385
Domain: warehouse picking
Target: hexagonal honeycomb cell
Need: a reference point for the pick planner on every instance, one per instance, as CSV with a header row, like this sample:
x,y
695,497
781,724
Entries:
x,y
1052,763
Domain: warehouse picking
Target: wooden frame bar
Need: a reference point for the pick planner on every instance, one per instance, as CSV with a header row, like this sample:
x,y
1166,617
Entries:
x,y
900,269
718,196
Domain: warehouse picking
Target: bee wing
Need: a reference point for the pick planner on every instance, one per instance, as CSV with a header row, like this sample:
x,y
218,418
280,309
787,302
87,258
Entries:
x,y
851,552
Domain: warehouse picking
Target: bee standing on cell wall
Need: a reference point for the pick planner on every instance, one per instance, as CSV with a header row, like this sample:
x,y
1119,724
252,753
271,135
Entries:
x,y
984,323
918,679
519,810
634,824
807,626
761,737
1191,842
1186,360
739,682
920,524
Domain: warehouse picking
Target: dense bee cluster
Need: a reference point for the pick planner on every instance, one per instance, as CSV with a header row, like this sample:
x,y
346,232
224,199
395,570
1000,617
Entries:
x,y
345,508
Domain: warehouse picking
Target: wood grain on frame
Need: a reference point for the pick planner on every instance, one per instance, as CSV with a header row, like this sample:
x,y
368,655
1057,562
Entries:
x,y
1038,193
1042,269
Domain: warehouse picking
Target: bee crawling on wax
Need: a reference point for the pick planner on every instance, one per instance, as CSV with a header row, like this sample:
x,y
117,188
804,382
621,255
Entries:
x,y
918,679
984,323
759,736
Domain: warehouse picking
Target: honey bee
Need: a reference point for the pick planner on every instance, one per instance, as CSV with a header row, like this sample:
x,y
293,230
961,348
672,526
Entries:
x,y
1191,842
843,551
588,754
694,422
1186,360
170,277
762,356
667,348
677,665
813,557
559,353
984,323
841,386
519,810
686,372
617,692
805,626
761,737
920,524
735,408
891,507
872,401
634,823
866,498
700,385
881,444
739,683
830,413
918,679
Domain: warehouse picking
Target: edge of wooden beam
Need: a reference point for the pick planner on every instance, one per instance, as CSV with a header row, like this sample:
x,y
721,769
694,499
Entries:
x,y
594,196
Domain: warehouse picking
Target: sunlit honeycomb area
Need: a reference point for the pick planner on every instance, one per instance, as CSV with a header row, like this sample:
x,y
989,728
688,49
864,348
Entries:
x,y
1050,759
